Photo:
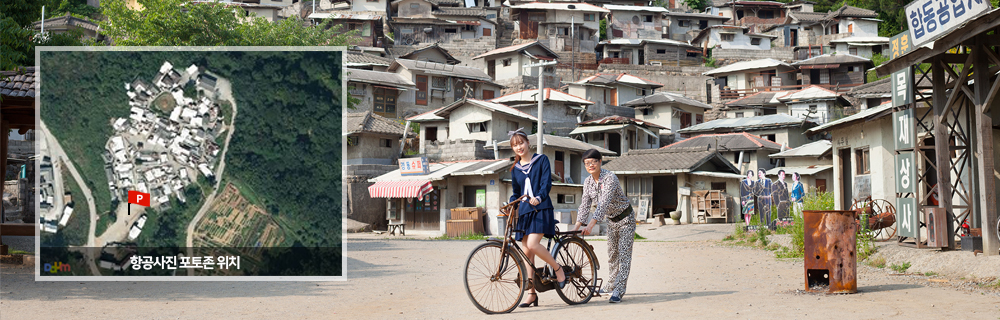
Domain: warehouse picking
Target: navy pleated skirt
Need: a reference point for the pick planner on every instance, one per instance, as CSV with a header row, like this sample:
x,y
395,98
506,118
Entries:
x,y
541,221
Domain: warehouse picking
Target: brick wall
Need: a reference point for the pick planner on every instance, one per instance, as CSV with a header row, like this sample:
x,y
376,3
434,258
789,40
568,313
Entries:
x,y
729,56
454,150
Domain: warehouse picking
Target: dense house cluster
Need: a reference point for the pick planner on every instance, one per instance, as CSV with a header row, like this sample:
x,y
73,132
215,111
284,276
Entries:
x,y
446,80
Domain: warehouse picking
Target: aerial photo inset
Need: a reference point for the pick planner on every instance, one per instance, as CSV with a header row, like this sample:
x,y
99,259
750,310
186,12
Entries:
x,y
190,163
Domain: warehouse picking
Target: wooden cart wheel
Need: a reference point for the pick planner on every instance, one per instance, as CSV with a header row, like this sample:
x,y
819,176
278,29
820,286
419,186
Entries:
x,y
882,222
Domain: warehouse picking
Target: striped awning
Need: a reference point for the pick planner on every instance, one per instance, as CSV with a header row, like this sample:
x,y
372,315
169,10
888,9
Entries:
x,y
400,189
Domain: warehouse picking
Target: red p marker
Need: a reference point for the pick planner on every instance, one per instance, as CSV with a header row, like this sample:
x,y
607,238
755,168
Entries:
x,y
138,198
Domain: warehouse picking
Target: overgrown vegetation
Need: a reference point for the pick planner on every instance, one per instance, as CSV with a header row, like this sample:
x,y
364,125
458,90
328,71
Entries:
x,y
877,262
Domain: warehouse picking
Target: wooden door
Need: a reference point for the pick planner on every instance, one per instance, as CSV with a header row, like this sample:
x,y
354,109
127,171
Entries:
x,y
529,24
560,167
488,94
821,185
614,97
422,90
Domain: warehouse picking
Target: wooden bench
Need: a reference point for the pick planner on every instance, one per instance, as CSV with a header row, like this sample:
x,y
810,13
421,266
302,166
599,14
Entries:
x,y
397,225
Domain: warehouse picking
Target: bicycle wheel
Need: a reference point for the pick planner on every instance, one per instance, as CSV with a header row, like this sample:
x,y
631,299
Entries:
x,y
491,291
575,254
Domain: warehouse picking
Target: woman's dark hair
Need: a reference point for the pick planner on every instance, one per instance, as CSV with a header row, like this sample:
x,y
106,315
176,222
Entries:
x,y
517,158
592,154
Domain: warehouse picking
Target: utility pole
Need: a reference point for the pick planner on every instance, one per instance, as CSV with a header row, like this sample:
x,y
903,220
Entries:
x,y
541,97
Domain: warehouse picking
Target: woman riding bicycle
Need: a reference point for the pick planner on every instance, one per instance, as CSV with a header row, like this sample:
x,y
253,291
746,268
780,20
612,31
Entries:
x,y
531,176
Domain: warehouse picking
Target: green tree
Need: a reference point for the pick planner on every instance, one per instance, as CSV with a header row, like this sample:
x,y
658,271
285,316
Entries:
x,y
182,23
18,40
697,5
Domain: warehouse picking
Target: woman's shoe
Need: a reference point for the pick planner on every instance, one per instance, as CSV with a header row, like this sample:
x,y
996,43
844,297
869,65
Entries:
x,y
533,302
561,284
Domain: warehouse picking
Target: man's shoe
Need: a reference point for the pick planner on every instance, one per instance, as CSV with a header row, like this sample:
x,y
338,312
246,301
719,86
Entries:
x,y
615,298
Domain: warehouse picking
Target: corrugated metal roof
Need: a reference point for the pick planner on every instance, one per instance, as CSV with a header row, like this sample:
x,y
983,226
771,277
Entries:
x,y
696,15
849,11
805,171
589,129
561,142
666,97
748,65
427,116
739,141
441,170
757,99
881,40
345,15
18,84
857,116
744,124
879,89
814,149
579,6
620,120
833,58
465,12
482,168
810,93
442,69
380,78
410,52
532,95
517,48
635,8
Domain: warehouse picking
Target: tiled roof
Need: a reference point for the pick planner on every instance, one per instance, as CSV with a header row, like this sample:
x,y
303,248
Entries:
x,y
807,17
354,57
849,11
810,93
468,12
561,142
666,97
739,141
495,107
748,124
634,8
368,122
605,79
872,89
408,52
447,3
18,84
67,20
581,6
748,65
550,95
671,160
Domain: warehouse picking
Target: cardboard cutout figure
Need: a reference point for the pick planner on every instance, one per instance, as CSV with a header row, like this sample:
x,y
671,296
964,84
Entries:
x,y
780,196
764,188
746,197
798,192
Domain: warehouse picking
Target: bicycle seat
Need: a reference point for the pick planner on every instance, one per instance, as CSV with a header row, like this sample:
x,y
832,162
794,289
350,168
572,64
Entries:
x,y
568,232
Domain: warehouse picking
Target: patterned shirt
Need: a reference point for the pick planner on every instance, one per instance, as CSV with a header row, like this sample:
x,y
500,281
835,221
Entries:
x,y
606,193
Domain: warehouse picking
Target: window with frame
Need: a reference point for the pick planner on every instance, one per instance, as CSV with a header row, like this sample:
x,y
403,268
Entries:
x,y
506,62
548,70
469,28
406,30
431,133
727,36
812,108
415,6
589,17
353,141
853,51
692,54
563,31
640,91
491,16
684,23
451,30
647,111
719,185
755,41
685,118
863,158
698,118
487,32
597,136
648,18
765,14
768,137
438,82
650,139
739,114
384,102
478,126
661,51
385,143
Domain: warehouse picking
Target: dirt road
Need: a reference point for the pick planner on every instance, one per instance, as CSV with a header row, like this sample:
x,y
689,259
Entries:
x,y
423,279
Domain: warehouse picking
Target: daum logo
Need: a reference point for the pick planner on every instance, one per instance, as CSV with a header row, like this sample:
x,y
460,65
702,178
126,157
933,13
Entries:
x,y
55,267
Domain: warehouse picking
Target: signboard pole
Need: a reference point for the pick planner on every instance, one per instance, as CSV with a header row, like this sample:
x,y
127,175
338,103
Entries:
x,y
541,97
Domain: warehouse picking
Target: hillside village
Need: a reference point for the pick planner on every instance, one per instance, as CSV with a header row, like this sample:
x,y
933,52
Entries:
x,y
460,75
682,102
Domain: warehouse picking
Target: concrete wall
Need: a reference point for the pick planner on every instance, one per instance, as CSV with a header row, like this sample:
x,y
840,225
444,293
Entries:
x,y
370,151
454,150
740,41
729,55
496,128
822,115
366,95
622,20
430,55
369,5
877,137
413,9
676,32
559,119
662,114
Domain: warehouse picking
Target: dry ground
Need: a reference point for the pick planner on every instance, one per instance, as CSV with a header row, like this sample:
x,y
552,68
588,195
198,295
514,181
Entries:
x,y
422,279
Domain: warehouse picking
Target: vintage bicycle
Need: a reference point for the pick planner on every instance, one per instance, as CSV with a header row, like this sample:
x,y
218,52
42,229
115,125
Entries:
x,y
495,271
